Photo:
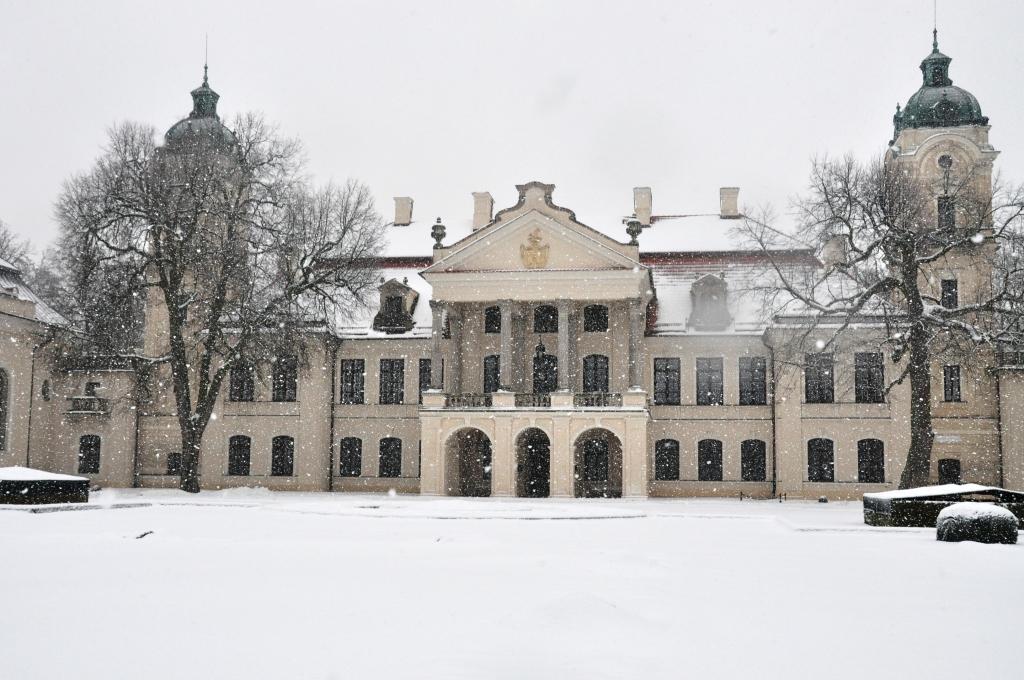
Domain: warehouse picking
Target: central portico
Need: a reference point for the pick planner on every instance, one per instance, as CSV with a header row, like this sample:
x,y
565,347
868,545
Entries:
x,y
533,392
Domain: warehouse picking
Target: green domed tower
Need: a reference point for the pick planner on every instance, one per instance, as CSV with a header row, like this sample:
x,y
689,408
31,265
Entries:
x,y
203,125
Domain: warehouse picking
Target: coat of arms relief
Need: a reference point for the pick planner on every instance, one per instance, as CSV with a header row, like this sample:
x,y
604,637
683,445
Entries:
x,y
534,252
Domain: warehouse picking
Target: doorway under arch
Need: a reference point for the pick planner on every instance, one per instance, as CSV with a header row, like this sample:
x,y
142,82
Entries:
x,y
468,460
533,464
597,465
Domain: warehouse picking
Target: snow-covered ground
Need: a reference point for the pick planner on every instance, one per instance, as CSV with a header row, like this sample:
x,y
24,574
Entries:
x,y
255,585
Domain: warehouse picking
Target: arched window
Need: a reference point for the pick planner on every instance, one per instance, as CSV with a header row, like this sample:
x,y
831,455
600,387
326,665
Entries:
x,y
492,373
666,459
709,460
595,373
89,454
390,457
241,383
595,319
595,460
492,320
545,319
351,457
282,457
821,462
752,461
239,448
4,407
870,461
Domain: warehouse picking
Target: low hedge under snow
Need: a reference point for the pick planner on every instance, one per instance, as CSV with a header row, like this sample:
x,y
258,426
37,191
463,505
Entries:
x,y
981,522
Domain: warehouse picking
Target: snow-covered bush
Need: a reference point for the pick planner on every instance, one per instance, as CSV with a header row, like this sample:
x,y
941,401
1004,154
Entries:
x,y
981,522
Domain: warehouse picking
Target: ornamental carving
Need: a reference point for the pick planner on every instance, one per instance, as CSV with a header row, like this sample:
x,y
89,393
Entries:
x,y
534,254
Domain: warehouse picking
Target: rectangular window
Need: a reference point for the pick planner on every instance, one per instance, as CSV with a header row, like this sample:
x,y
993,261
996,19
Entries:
x,y
353,376
946,212
492,320
951,383
492,373
390,457
753,381
595,373
666,382
545,319
818,387
239,450
89,454
709,382
91,388
869,378
392,381
285,378
351,457
753,461
424,377
241,385
595,319
950,294
821,465
282,457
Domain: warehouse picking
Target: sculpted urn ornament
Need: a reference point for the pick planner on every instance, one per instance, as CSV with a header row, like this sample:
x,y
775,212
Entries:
x,y
535,254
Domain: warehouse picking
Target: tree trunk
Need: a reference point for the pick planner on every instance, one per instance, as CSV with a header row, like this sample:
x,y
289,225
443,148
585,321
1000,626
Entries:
x,y
917,469
189,464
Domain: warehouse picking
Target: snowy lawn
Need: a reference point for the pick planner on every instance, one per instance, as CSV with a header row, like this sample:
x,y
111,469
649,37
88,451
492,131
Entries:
x,y
254,585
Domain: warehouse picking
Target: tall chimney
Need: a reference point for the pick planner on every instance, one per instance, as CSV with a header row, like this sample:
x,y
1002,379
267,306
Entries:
x,y
403,211
729,198
642,204
483,209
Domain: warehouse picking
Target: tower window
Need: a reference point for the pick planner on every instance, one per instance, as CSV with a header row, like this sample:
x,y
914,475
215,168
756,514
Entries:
x,y
946,212
492,320
595,319
951,383
950,294
545,319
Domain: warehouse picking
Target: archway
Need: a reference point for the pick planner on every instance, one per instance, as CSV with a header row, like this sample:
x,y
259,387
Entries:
x,y
533,464
468,461
597,464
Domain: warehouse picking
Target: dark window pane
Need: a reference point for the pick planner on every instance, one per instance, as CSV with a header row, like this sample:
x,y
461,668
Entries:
x,y
870,461
949,471
282,457
545,319
89,454
492,373
285,378
709,460
351,457
666,381
492,320
595,373
753,381
951,383
545,373
709,382
869,378
946,212
666,459
820,461
353,376
595,319
390,457
392,381
818,379
950,294
174,463
424,377
239,448
241,383
753,464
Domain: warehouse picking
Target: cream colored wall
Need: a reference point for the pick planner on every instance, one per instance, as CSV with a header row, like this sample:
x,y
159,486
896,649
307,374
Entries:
x,y
20,335
1011,396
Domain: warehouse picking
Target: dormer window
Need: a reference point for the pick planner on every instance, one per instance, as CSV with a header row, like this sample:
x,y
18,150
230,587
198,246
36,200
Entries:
x,y
709,295
397,302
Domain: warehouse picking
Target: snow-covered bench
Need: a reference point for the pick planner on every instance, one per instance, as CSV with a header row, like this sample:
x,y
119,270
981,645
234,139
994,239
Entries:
x,y
26,486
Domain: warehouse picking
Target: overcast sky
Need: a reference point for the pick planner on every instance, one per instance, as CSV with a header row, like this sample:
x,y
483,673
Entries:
x,y
436,100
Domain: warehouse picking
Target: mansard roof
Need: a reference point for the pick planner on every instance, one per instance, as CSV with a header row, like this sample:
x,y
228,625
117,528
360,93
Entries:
x,y
12,283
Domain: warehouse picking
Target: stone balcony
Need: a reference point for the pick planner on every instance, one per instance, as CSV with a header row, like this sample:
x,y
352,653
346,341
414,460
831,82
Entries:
x,y
88,405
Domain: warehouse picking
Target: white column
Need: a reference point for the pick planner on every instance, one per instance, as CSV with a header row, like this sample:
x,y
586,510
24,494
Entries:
x,y
564,369
637,315
505,379
436,358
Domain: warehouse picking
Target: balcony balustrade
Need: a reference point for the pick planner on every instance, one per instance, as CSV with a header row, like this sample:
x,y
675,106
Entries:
x,y
530,400
90,405
597,400
468,401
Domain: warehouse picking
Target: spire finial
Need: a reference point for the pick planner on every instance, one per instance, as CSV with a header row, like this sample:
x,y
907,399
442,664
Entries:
x,y
935,25
206,60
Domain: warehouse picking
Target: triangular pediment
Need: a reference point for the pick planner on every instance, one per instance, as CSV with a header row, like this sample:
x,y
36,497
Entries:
x,y
535,235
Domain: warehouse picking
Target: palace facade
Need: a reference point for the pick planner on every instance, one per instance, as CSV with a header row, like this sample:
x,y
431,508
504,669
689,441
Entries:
x,y
524,353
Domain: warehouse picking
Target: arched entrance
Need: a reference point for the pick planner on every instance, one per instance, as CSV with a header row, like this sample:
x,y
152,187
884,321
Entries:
x,y
597,463
533,464
468,461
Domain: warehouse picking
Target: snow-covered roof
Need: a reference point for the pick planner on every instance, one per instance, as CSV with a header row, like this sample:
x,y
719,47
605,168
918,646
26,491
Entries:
x,y
11,281
360,323
414,239
18,473
672,284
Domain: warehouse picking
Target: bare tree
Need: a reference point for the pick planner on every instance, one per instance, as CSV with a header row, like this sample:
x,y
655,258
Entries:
x,y
12,248
240,255
882,232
